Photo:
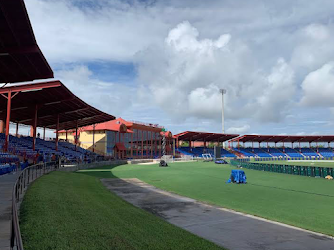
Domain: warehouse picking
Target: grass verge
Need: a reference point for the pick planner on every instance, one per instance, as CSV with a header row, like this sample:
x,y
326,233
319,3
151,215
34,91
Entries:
x,y
69,211
304,202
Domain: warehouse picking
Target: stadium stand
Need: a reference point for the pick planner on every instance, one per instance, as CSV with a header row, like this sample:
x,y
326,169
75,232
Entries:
x,y
261,153
203,138
199,151
57,109
276,152
326,152
245,152
291,152
21,148
308,152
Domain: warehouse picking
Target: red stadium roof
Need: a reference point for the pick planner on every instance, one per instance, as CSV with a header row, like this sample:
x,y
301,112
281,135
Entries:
x,y
203,136
20,57
285,138
114,125
52,99
120,125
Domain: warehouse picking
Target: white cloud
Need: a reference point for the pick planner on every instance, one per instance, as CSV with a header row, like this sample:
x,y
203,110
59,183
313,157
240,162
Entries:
x,y
238,130
313,47
318,87
112,31
185,51
110,97
188,73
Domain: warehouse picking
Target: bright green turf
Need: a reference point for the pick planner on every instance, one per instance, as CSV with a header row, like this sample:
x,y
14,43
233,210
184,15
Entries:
x,y
70,211
301,201
307,163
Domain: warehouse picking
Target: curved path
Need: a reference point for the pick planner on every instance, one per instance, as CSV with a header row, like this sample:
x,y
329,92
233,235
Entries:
x,y
6,188
224,227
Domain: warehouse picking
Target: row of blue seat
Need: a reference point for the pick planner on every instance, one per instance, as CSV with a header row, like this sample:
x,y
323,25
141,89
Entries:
x,y
198,151
285,152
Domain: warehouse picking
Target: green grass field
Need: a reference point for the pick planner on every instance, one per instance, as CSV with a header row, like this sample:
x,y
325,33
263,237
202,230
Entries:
x,y
307,163
297,200
70,211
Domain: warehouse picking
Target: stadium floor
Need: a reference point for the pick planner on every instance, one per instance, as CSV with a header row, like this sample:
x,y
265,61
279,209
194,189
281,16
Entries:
x,y
226,228
300,201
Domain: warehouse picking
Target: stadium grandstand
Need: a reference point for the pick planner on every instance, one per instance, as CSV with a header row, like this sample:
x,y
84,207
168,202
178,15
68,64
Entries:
x,y
122,139
200,143
80,206
45,104
312,146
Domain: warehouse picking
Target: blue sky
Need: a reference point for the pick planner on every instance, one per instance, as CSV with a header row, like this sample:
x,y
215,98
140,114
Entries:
x,y
165,61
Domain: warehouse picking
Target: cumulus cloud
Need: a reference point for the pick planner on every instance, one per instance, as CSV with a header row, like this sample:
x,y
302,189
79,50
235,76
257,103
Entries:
x,y
262,52
190,71
238,130
318,87
314,46
110,97
74,31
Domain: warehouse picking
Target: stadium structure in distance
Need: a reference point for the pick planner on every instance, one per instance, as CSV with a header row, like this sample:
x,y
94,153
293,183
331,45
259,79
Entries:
x,y
122,139
84,131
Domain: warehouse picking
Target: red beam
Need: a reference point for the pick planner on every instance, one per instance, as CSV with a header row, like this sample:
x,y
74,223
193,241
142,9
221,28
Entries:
x,y
131,154
35,128
31,87
9,102
152,145
93,138
142,144
57,130
1,126
76,135
20,50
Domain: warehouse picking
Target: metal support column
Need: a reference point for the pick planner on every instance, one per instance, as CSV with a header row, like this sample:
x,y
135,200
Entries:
x,y
2,126
142,144
34,127
9,103
57,132
76,136
17,130
93,138
151,144
131,150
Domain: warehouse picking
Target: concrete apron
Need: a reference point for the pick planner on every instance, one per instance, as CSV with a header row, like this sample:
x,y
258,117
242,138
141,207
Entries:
x,y
6,188
224,227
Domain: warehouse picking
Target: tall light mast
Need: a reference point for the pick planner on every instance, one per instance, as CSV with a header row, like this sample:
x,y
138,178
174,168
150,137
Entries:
x,y
223,92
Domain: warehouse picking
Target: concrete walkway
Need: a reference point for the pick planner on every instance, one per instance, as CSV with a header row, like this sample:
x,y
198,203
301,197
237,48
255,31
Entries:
x,y
232,230
6,188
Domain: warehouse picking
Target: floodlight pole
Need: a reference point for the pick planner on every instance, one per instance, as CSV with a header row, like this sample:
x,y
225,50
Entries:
x,y
223,91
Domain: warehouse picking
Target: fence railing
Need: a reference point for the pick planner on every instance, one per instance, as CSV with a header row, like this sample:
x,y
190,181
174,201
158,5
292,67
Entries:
x,y
27,176
286,169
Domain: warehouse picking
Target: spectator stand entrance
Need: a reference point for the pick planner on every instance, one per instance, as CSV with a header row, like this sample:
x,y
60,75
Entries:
x,y
198,143
46,105
304,147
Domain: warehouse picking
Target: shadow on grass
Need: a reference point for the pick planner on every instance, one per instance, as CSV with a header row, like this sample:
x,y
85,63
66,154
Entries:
x,y
101,172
